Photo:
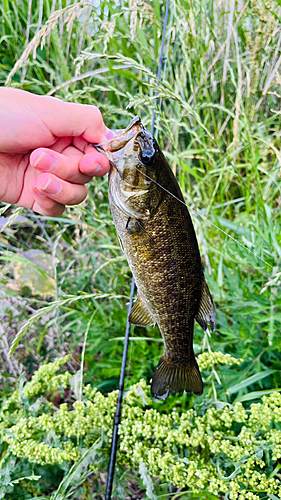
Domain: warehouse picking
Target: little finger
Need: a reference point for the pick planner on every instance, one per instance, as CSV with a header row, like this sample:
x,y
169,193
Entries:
x,y
59,190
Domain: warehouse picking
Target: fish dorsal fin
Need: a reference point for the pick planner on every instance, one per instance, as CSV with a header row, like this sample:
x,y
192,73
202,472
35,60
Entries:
x,y
140,315
206,315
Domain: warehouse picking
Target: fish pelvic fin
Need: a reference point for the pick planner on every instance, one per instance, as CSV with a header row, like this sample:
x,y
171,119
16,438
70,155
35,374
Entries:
x,y
170,378
140,314
206,315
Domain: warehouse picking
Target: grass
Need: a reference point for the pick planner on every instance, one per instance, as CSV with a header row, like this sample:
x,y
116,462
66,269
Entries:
x,y
219,127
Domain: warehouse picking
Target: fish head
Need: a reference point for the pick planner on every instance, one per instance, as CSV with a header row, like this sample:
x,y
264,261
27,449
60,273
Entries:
x,y
132,177
132,154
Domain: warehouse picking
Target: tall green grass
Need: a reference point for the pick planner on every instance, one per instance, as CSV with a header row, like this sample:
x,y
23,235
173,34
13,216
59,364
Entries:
x,y
219,127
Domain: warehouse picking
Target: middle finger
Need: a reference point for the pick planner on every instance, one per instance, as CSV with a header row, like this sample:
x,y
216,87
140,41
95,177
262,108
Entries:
x,y
64,165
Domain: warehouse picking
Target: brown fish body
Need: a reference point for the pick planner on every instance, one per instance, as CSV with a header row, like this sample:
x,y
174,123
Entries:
x,y
157,236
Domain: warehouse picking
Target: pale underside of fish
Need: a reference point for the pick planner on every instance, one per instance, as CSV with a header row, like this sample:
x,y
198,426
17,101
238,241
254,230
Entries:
x,y
158,239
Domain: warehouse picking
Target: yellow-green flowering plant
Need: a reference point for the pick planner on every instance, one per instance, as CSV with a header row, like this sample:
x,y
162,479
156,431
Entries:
x,y
224,449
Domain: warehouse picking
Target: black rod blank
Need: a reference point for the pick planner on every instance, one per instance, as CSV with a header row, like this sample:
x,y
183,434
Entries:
x,y
117,416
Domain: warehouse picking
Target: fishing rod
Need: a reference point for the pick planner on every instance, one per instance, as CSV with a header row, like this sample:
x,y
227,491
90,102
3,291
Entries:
x,y
117,417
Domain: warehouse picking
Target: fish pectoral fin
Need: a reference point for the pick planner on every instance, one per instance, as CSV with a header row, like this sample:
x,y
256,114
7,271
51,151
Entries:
x,y
170,378
206,315
141,226
140,315
134,226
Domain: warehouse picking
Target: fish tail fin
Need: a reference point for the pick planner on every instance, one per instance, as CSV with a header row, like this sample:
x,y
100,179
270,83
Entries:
x,y
170,378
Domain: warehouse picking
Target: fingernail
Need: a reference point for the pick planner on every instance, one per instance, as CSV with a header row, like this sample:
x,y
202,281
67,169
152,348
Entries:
x,y
48,185
93,168
109,134
38,193
45,162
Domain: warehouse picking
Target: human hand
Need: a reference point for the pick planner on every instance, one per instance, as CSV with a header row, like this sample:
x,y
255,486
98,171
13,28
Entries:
x,y
46,152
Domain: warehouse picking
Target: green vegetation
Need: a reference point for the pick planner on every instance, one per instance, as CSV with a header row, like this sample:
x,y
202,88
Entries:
x,y
64,283
217,449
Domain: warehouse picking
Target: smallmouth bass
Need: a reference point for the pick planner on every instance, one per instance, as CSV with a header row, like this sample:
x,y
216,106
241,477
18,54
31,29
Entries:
x,y
158,239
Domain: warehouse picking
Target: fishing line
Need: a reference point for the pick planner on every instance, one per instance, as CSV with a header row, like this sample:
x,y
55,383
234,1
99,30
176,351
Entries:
x,y
117,417
204,218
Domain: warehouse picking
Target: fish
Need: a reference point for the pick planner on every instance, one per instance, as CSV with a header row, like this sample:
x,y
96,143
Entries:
x,y
157,236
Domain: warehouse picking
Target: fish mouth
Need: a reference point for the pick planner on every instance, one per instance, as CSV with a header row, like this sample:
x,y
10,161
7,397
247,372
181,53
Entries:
x,y
125,136
142,139
121,139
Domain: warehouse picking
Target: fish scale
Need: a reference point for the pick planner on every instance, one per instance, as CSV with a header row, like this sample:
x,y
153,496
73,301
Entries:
x,y
158,239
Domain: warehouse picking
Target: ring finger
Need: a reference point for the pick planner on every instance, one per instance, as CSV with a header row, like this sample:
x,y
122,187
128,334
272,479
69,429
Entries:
x,y
50,187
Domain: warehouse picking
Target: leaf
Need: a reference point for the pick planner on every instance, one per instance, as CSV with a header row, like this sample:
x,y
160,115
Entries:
x,y
40,498
147,481
76,475
28,478
256,395
249,381
13,257
271,282
29,273
51,307
4,208
202,496
11,219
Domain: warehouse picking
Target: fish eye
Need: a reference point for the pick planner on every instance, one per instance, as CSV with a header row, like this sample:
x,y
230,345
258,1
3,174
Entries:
x,y
146,156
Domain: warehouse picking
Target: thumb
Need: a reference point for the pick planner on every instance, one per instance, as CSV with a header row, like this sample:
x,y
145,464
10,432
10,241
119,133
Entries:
x,y
30,121
69,119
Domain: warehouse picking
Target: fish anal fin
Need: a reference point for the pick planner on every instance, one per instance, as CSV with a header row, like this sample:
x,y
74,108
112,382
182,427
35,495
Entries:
x,y
140,314
206,315
170,378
